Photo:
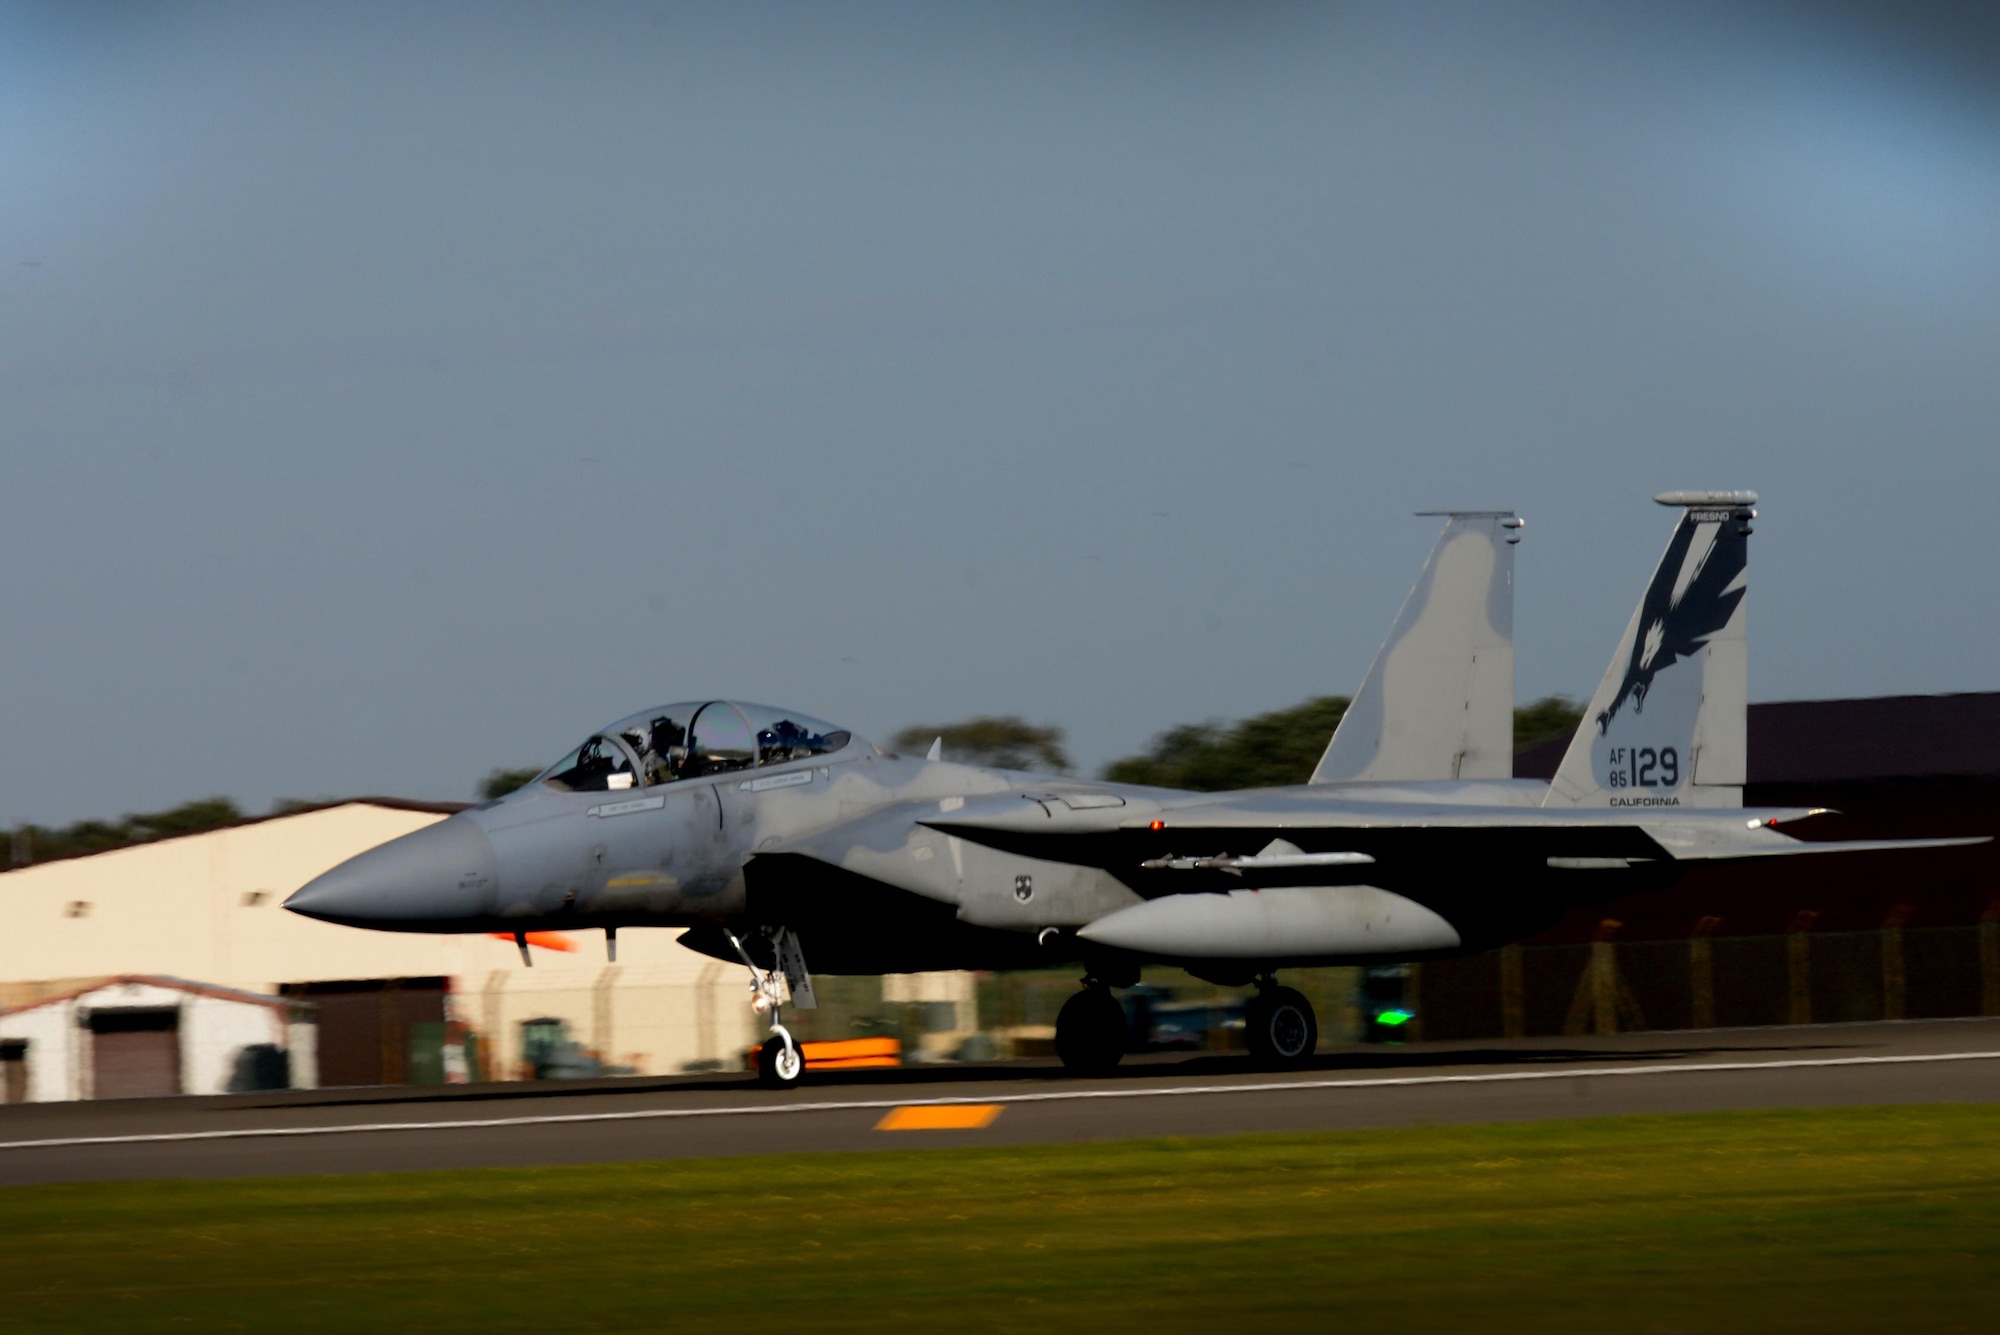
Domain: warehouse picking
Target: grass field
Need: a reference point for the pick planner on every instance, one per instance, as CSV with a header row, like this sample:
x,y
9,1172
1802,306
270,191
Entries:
x,y
1859,1219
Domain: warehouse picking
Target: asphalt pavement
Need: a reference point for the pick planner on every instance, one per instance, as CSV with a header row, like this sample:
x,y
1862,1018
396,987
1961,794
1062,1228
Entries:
x,y
1002,1103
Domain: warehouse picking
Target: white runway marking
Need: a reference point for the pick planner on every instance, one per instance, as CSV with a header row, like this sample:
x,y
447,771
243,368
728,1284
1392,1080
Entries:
x,y
1053,1096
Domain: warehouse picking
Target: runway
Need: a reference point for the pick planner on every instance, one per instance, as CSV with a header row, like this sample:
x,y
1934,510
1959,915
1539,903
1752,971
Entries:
x,y
1016,1103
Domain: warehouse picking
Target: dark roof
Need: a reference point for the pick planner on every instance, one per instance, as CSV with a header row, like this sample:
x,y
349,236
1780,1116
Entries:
x,y
155,980
1851,741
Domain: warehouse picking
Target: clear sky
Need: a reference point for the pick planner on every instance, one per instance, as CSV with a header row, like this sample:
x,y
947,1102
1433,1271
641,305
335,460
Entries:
x,y
391,393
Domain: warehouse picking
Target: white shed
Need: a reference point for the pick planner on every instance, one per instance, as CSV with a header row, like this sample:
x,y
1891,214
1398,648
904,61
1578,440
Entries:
x,y
141,1035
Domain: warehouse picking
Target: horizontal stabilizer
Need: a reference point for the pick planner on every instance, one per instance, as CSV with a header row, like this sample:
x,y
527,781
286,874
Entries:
x,y
1798,846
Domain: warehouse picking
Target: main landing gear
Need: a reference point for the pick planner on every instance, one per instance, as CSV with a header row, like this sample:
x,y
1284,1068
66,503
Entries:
x,y
1279,1026
1090,1030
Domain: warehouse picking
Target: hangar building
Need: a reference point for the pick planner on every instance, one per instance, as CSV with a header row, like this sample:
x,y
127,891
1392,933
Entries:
x,y
207,907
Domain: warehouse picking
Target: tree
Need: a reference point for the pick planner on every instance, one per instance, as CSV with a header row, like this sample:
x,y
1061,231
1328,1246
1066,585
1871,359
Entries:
x,y
500,782
1266,751
1283,747
1550,716
33,843
1002,743
206,813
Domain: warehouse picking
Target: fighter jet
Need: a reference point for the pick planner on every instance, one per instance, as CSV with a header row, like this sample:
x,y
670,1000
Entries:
x,y
771,837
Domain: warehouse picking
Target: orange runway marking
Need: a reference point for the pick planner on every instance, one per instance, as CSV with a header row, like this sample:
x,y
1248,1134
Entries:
x,y
940,1117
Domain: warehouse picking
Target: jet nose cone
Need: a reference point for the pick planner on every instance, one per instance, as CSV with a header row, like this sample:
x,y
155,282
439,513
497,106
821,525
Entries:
x,y
431,879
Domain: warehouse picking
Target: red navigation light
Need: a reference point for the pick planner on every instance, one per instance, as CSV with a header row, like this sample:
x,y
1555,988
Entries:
x,y
1156,825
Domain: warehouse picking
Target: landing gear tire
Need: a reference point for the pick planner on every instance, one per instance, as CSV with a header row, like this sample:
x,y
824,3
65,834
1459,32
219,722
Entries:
x,y
1280,1028
780,1065
1090,1032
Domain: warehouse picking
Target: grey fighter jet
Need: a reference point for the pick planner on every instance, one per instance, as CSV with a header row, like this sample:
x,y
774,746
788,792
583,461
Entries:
x,y
771,837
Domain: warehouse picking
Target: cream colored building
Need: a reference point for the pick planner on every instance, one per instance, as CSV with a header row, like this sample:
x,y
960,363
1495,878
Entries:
x,y
208,907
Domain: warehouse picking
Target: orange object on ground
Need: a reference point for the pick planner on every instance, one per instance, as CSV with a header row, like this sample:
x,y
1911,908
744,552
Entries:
x,y
845,1054
939,1117
849,1053
546,940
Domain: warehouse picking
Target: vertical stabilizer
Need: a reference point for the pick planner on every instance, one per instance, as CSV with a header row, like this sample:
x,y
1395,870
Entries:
x,y
1438,702
1668,724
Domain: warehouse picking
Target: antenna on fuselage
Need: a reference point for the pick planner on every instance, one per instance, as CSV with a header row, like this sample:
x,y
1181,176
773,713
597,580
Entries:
x,y
937,749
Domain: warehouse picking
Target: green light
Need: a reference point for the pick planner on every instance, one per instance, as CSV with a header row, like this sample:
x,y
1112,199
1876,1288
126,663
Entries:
x,y
1393,1018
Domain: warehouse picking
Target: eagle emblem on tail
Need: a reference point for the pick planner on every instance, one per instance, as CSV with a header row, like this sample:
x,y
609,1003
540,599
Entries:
x,y
1673,626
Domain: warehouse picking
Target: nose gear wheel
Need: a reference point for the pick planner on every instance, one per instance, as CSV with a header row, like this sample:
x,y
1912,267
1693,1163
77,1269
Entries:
x,y
780,1063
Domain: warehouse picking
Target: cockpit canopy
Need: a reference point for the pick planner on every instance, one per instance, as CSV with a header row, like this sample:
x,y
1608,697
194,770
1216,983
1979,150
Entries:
x,y
691,741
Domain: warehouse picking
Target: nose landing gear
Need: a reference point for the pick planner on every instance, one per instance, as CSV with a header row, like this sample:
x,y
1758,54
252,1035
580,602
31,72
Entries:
x,y
780,1062
1090,1030
1279,1026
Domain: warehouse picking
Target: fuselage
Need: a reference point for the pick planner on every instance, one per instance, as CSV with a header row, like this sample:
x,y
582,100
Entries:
x,y
890,863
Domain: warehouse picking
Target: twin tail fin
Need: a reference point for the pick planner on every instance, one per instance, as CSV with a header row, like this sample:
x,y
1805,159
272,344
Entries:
x,y
1667,726
1438,701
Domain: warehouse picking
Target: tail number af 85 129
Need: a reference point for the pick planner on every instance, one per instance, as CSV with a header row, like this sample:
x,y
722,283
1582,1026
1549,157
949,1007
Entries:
x,y
1644,767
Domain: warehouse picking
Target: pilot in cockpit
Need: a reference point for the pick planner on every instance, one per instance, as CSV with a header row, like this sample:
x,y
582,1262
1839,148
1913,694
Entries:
x,y
663,750
786,740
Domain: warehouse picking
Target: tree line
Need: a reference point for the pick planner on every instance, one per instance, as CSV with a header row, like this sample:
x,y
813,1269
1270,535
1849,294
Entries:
x,y
40,843
1263,751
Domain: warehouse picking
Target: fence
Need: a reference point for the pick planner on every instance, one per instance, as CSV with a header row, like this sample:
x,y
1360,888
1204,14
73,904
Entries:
x,y
516,1029
1706,982
631,1025
623,1022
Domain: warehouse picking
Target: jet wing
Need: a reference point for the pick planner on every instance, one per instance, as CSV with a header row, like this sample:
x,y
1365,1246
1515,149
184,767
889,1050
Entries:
x,y
1194,836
